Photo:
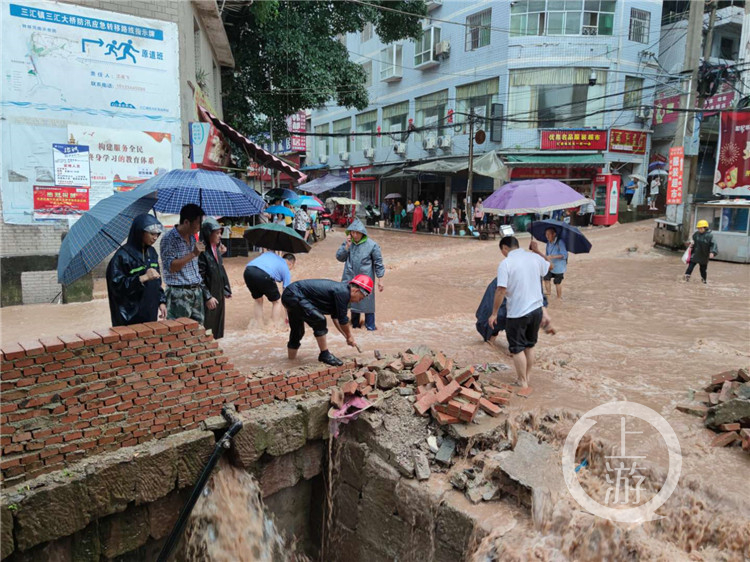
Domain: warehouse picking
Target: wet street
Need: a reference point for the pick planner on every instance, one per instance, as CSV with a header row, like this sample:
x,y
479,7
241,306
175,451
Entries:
x,y
628,327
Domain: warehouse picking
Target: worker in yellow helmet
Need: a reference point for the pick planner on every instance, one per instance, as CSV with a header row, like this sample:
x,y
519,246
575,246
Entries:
x,y
702,248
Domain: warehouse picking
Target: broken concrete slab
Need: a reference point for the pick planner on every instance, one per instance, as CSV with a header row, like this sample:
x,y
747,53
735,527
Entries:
x,y
730,411
446,451
421,465
530,465
387,380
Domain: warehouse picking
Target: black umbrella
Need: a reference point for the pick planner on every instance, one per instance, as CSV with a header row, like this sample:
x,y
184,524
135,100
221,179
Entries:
x,y
575,241
276,237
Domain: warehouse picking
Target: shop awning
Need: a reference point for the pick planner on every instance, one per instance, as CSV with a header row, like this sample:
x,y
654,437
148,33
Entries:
x,y
254,151
321,185
377,171
486,165
555,159
312,167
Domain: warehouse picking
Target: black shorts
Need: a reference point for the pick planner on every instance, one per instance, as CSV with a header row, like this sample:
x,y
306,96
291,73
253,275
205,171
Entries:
x,y
522,333
261,284
558,277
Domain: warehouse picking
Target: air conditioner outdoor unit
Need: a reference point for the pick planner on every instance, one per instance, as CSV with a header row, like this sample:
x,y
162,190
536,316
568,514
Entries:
x,y
344,156
429,143
443,49
323,159
444,142
399,148
369,152
643,113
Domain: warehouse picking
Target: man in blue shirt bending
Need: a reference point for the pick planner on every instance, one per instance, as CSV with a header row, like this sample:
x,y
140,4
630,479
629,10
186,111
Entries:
x,y
557,256
261,276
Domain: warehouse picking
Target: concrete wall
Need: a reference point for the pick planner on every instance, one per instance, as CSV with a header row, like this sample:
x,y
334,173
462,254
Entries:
x,y
44,240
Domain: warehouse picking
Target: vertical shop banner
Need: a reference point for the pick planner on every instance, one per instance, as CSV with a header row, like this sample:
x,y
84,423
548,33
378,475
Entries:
x,y
296,124
71,162
674,179
66,65
732,176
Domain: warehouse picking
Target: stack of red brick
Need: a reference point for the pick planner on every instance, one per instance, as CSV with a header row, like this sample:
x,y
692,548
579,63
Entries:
x,y
450,394
724,406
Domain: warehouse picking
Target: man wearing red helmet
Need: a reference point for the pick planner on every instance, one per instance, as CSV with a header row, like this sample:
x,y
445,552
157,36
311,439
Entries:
x,y
310,300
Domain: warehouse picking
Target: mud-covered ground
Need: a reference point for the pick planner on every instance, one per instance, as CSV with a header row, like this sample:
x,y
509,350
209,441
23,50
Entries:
x,y
628,326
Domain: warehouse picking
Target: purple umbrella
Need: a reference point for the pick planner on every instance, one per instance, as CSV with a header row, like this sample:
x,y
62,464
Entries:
x,y
532,196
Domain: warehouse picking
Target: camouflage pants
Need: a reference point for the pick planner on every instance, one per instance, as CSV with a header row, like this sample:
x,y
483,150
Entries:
x,y
185,303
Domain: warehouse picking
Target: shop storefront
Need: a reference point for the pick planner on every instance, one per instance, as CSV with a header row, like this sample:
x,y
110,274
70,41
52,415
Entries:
x,y
578,171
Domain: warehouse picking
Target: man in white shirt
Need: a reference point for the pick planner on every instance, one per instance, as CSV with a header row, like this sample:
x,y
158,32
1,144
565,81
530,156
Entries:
x,y
518,279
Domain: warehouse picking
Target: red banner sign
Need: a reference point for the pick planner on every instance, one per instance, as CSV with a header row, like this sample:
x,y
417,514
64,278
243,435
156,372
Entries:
x,y
674,180
60,202
631,142
732,177
665,106
574,139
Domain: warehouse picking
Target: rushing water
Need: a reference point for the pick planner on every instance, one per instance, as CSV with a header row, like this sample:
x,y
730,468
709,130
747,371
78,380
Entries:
x,y
229,523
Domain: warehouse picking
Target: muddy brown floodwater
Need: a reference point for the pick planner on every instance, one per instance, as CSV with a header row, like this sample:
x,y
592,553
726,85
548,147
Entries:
x,y
628,327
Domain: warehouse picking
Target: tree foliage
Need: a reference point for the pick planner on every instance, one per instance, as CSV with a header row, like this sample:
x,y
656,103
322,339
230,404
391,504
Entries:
x,y
288,57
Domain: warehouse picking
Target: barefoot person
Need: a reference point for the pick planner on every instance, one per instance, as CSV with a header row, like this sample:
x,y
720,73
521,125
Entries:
x,y
557,255
311,300
489,335
261,277
518,277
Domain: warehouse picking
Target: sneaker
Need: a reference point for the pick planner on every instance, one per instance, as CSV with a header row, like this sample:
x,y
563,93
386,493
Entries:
x,y
329,359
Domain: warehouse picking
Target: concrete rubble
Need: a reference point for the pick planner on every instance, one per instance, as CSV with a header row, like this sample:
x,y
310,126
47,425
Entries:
x,y
724,406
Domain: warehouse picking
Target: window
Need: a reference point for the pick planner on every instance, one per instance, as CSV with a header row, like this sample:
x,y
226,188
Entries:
x,y
367,67
478,30
633,91
424,48
391,63
395,118
366,123
367,32
342,144
555,98
640,22
430,112
733,220
727,49
562,17
476,96
321,142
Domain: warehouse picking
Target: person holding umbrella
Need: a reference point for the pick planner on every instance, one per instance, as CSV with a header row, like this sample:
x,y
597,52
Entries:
x,y
557,255
261,277
215,280
361,255
179,254
309,302
133,278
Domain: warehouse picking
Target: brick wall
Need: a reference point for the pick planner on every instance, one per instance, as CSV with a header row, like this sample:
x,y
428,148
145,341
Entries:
x,y
71,397
40,287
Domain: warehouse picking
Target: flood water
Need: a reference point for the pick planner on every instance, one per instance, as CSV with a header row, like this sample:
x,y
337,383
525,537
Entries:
x,y
628,327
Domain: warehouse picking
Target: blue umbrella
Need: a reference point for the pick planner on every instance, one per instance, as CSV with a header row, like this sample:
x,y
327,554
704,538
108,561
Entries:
x,y
280,193
279,210
311,202
98,233
575,241
216,192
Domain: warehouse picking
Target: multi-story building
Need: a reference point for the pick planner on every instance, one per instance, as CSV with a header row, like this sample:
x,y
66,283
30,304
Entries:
x,y
116,69
727,51
558,86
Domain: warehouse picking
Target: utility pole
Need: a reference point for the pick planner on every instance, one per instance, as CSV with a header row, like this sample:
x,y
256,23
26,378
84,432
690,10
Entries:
x,y
686,124
470,178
